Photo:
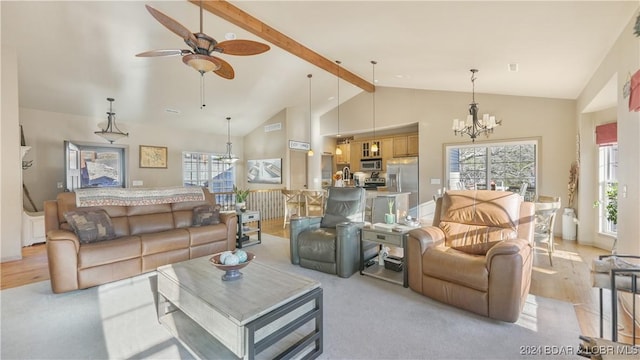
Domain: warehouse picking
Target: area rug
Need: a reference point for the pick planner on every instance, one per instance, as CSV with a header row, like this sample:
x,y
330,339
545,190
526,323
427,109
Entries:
x,y
364,318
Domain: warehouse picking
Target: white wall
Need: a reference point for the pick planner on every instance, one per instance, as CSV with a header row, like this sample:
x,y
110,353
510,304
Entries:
x,y
523,117
11,168
622,59
46,131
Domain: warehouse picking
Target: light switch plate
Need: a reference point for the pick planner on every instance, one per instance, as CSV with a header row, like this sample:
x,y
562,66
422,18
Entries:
x,y
137,183
435,181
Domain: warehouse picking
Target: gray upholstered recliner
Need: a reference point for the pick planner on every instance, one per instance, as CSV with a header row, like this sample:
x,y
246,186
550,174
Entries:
x,y
331,243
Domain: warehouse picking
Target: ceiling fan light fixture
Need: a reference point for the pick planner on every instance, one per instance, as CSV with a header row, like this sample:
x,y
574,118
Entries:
x,y
201,63
111,132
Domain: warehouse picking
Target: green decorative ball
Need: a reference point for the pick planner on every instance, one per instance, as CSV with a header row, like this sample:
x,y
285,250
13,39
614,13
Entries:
x,y
242,255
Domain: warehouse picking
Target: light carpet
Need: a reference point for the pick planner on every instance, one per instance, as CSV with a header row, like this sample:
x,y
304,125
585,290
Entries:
x,y
364,318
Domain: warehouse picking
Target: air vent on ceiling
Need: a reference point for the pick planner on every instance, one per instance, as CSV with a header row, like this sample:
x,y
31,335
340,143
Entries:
x,y
273,127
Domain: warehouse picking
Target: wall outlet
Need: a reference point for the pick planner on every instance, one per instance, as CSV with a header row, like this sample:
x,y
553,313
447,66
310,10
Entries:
x,y
136,183
59,185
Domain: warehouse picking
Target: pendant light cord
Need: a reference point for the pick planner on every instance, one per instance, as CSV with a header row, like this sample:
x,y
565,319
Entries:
x,y
310,153
338,62
373,63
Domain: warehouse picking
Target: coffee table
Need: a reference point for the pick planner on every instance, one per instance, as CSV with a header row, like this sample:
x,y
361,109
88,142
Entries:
x,y
268,312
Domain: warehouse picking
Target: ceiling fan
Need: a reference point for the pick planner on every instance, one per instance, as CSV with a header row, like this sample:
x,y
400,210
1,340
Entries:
x,y
202,46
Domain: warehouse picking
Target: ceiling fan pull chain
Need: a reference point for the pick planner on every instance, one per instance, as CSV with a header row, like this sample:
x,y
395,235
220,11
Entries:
x,y
202,91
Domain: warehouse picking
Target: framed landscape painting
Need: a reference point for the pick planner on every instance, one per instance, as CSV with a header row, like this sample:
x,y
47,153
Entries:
x,y
153,157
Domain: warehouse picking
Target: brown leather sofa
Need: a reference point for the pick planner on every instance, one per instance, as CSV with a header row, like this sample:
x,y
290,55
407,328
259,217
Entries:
x,y
478,255
147,236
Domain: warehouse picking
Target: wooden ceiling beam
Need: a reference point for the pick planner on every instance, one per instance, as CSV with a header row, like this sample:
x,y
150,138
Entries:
x,y
238,17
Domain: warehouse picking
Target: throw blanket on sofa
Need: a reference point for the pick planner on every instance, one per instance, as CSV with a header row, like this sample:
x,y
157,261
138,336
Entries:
x,y
130,196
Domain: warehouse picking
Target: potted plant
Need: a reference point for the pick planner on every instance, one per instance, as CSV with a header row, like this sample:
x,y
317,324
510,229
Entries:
x,y
611,208
390,217
241,198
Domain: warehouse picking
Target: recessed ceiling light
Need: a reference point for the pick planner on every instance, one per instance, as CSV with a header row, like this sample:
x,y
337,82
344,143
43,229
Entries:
x,y
230,36
399,76
172,111
513,67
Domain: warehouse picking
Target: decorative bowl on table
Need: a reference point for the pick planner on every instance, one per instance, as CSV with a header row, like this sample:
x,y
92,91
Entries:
x,y
231,268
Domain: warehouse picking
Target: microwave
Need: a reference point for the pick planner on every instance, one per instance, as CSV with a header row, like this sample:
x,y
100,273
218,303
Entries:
x,y
371,164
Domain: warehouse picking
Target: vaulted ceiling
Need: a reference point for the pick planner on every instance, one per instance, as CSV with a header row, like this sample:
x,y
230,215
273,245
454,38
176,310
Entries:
x,y
72,55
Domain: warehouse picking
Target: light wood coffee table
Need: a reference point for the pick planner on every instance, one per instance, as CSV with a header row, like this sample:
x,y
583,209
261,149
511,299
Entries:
x,y
269,312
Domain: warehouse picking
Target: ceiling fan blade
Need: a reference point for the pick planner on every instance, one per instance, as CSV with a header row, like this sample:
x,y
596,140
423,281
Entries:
x,y
154,53
225,71
241,47
173,25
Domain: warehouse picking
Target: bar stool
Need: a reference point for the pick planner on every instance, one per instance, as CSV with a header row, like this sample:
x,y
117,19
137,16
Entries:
x,y
291,205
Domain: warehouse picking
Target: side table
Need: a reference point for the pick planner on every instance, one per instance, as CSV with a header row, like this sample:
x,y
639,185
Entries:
x,y
249,223
392,235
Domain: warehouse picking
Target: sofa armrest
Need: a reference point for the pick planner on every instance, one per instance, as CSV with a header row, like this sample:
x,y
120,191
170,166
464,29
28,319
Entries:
x,y
427,237
418,241
508,247
298,225
62,254
51,221
348,248
231,221
509,264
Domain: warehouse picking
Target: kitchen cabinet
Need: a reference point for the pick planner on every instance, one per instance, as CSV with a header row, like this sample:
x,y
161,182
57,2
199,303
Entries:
x,y
367,153
355,152
386,150
345,157
406,145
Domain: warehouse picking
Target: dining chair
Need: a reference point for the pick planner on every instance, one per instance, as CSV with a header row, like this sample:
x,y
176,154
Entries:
x,y
292,199
314,202
546,208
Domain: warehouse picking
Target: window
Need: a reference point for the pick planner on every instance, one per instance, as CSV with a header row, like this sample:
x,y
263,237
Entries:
x,y
506,165
607,186
202,169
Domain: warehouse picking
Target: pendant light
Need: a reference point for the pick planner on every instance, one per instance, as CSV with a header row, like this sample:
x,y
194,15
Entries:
x,y
338,149
374,144
111,133
310,153
227,157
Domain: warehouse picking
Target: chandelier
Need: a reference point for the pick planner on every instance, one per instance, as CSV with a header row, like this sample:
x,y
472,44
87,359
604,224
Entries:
x,y
474,126
111,133
227,157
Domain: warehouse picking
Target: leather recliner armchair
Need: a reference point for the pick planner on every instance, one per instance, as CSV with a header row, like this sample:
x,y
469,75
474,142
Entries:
x,y
478,255
331,243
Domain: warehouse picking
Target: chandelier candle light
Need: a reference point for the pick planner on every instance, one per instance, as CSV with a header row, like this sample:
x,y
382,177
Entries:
x,y
474,126
111,133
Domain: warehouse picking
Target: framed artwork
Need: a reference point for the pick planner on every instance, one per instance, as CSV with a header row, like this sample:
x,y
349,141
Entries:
x,y
90,165
153,157
266,171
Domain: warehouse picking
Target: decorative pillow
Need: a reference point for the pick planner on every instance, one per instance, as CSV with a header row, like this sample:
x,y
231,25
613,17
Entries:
x,y
206,215
90,226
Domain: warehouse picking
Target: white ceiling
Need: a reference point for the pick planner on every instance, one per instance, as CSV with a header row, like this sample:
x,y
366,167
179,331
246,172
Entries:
x,y
72,55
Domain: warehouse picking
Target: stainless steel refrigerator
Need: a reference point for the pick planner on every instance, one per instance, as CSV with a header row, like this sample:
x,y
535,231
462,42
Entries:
x,y
402,176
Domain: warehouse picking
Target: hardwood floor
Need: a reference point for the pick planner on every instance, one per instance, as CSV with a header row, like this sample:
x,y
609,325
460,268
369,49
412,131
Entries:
x,y
568,279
